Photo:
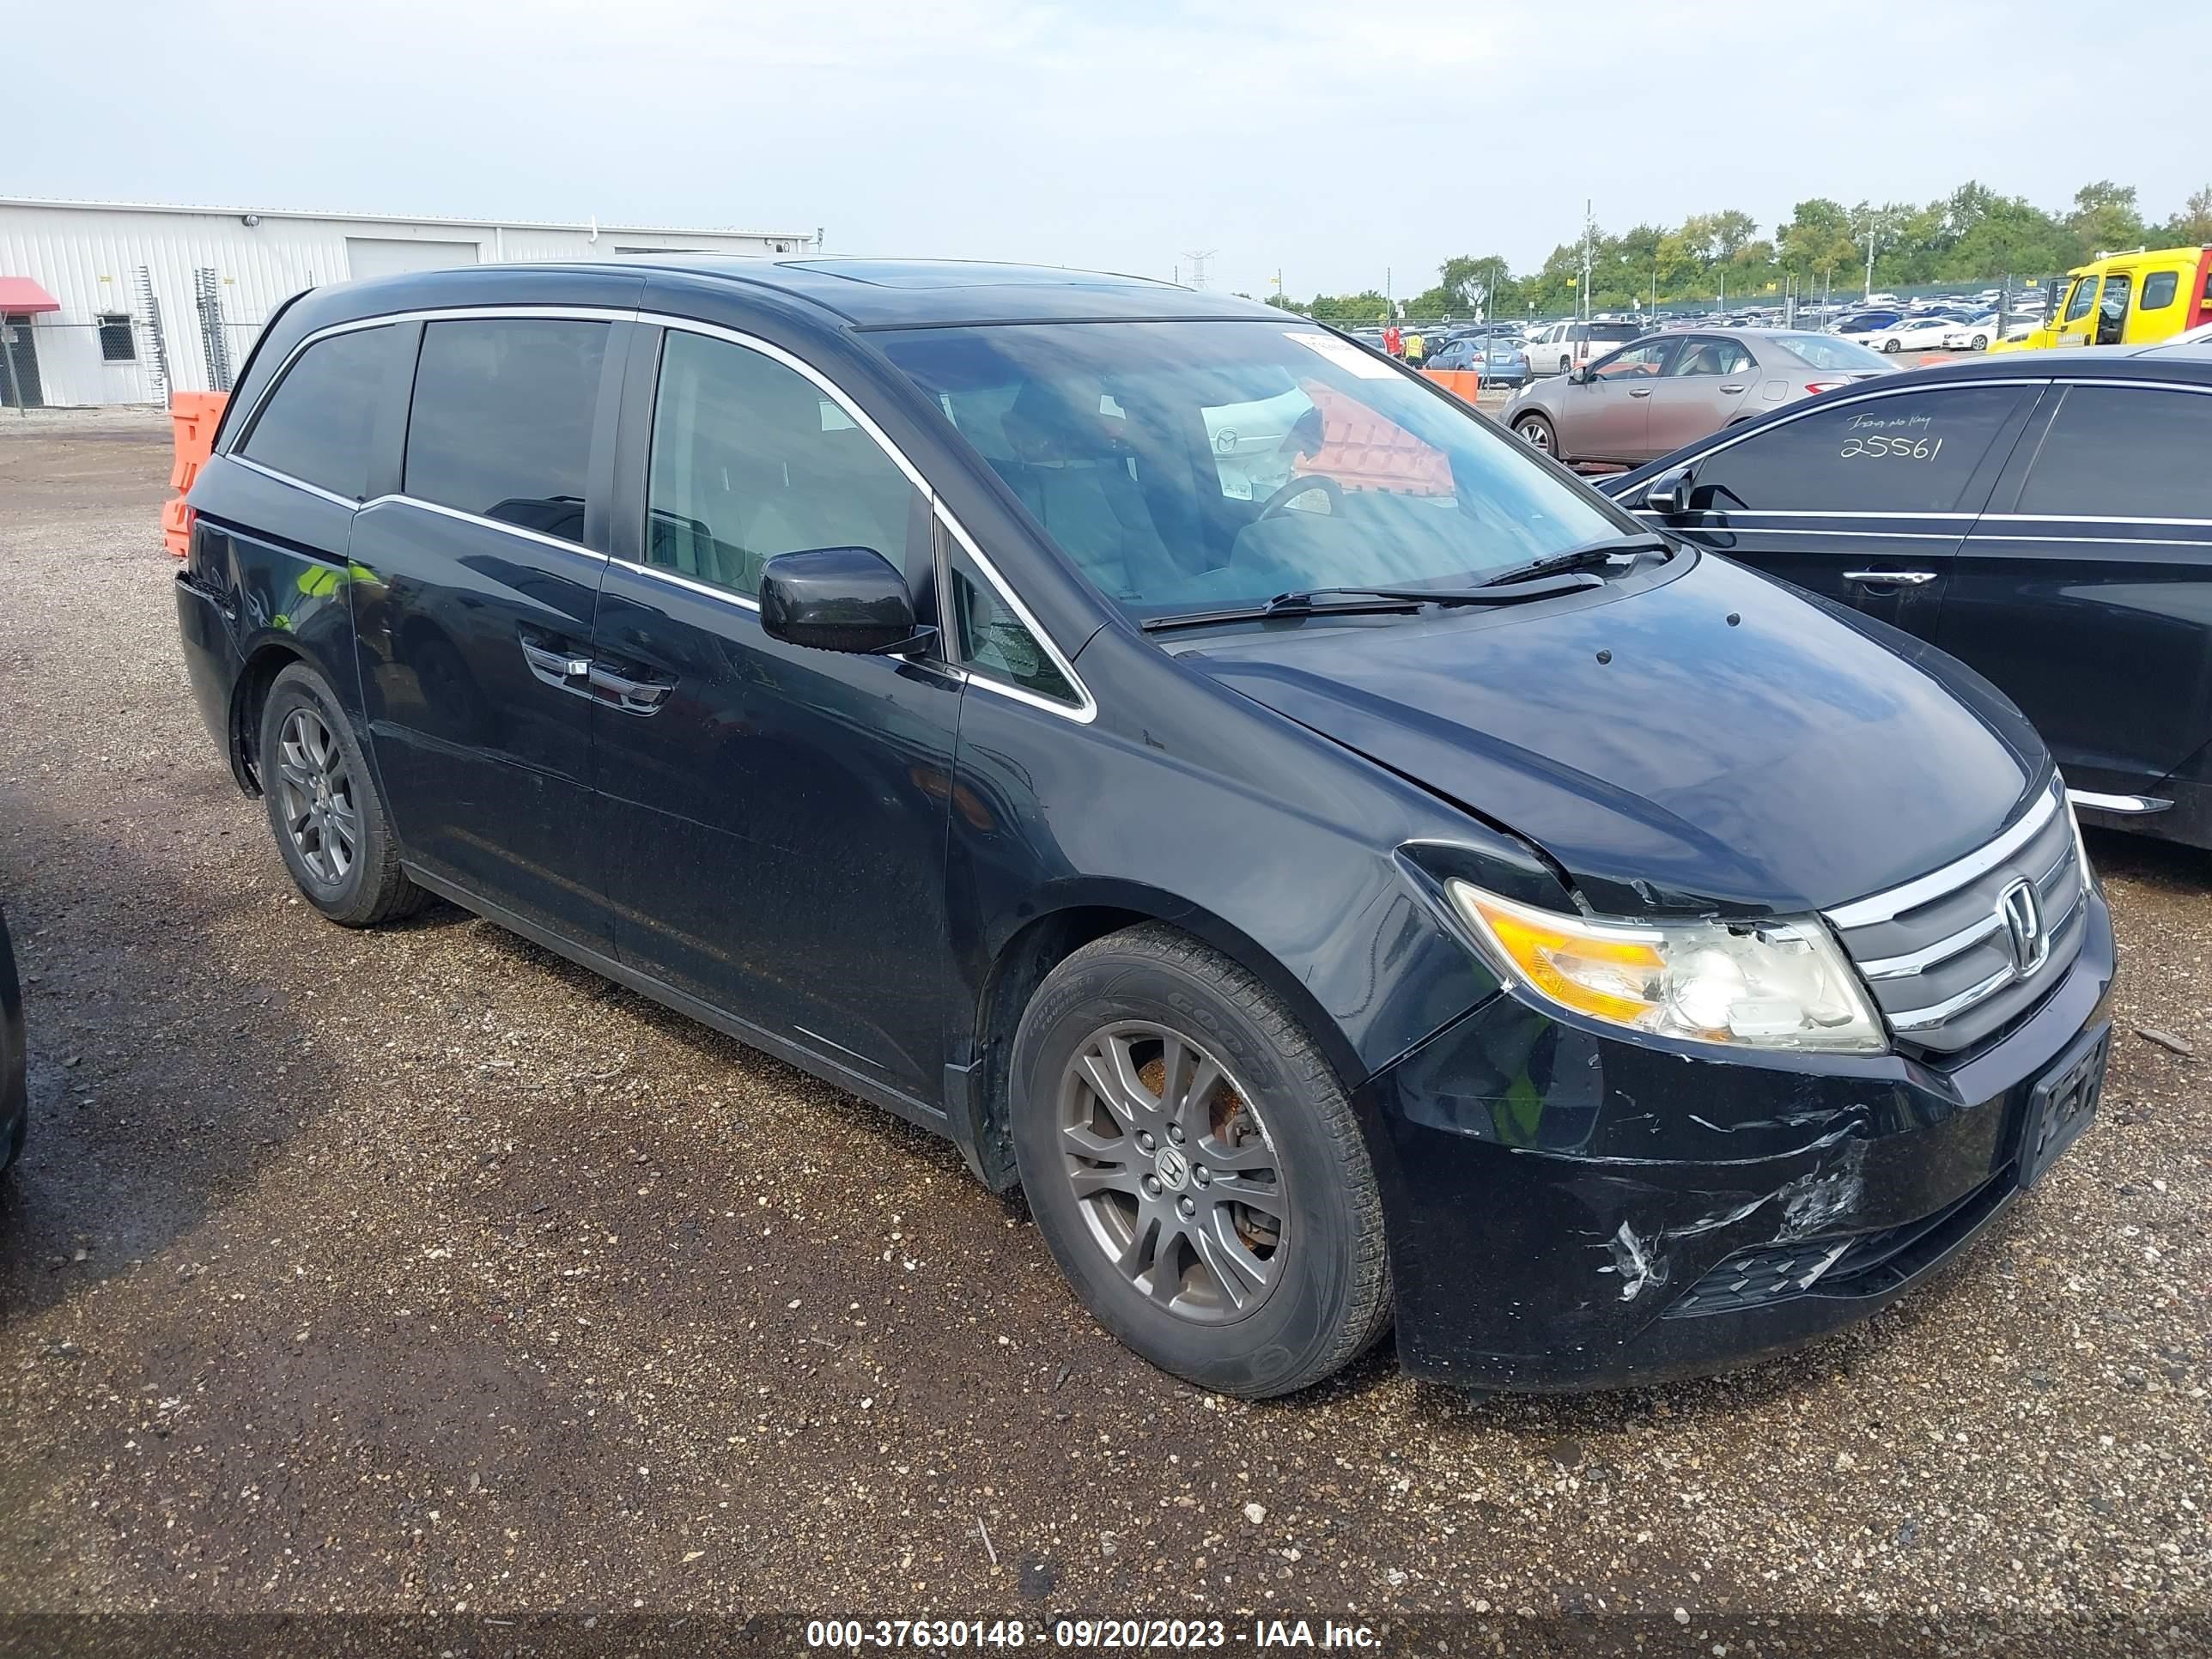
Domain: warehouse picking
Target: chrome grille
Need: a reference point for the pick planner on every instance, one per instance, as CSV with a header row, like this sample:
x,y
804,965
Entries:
x,y
1939,953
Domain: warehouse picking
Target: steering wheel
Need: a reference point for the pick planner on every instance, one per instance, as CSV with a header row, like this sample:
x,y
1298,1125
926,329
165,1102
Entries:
x,y
1281,500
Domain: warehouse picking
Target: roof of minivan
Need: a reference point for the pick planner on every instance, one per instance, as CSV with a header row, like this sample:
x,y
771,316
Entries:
x,y
905,293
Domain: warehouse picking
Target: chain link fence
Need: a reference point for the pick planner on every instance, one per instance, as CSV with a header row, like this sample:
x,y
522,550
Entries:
x,y
131,357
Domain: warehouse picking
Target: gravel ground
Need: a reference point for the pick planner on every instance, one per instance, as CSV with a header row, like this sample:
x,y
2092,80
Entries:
x,y
416,1271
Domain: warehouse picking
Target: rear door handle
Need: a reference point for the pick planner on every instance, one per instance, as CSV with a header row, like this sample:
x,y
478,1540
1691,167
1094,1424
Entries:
x,y
556,668
1731,388
1890,578
1639,391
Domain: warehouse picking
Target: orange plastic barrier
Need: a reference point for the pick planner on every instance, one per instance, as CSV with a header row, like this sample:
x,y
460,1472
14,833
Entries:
x,y
193,418
1462,383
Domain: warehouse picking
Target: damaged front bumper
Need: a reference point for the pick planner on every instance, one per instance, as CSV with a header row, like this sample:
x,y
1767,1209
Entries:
x,y
1570,1209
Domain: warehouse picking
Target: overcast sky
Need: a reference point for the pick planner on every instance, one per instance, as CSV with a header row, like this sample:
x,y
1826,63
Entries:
x,y
1316,138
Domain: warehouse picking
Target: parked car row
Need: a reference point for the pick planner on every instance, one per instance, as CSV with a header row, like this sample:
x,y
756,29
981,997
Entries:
x,y
911,671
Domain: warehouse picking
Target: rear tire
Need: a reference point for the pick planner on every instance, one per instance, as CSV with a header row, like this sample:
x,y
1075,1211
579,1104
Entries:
x,y
330,825
1194,1167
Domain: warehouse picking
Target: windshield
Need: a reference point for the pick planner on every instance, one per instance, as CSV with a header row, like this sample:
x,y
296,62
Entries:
x,y
1826,351
1185,465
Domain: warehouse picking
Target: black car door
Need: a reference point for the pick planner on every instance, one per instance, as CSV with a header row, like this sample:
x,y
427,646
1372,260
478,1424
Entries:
x,y
2085,590
474,632
1864,500
775,817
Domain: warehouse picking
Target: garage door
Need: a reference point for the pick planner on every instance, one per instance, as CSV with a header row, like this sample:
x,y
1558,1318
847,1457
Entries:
x,y
382,256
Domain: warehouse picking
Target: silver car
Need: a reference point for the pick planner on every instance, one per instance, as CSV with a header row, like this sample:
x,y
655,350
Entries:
x,y
1657,393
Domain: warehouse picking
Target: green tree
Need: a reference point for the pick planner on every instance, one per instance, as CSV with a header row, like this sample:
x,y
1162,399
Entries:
x,y
1816,241
2105,218
2192,226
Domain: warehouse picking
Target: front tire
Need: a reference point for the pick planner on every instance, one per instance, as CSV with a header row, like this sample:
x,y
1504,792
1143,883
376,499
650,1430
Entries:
x,y
1891,347
1536,432
1194,1167
330,825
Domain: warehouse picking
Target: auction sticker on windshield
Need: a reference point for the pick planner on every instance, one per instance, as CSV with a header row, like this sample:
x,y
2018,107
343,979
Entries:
x,y
1345,355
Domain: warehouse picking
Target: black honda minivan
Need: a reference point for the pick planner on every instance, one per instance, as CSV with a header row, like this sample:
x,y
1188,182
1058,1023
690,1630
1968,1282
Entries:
x,y
1342,868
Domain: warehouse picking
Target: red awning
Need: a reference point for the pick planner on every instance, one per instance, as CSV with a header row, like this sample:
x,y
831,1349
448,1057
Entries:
x,y
19,294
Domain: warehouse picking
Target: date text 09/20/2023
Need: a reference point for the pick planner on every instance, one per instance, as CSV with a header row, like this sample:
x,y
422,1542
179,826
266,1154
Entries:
x,y
1087,1634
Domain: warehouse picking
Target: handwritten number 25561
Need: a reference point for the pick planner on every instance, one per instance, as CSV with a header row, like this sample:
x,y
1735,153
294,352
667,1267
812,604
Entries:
x,y
1905,449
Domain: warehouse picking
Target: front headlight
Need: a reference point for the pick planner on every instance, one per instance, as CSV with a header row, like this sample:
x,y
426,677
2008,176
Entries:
x,y
1763,985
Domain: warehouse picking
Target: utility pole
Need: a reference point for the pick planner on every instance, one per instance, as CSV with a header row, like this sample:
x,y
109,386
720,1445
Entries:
x,y
1198,264
1590,229
1871,235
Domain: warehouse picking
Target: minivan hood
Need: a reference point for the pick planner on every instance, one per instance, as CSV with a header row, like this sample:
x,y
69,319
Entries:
x,y
1710,738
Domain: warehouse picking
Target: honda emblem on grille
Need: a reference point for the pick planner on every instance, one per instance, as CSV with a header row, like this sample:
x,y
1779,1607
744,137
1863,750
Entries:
x,y
2022,911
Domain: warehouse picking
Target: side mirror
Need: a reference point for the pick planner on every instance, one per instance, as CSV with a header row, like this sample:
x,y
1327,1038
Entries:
x,y
838,599
1668,493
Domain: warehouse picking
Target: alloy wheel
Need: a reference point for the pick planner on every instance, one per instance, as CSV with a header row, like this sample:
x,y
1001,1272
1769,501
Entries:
x,y
1176,1177
1536,435
316,793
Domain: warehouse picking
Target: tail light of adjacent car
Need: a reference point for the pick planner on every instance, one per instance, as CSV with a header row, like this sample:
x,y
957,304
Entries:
x,y
1813,388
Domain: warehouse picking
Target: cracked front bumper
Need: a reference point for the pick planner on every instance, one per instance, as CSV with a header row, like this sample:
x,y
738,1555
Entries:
x,y
1570,1209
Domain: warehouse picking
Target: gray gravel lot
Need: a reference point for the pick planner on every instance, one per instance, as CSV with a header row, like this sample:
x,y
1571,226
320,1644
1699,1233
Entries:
x,y
416,1271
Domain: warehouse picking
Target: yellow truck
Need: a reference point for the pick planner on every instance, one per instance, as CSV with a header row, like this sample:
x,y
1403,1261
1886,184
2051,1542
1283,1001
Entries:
x,y
2125,299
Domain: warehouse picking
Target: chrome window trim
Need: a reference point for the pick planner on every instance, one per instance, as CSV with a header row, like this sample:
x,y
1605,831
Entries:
x,y
1813,513
1884,906
1082,713
400,498
2104,541
439,314
661,572
1861,534
2088,517
352,503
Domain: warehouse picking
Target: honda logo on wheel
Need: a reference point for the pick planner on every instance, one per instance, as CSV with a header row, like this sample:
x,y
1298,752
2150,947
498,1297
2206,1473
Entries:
x,y
2020,910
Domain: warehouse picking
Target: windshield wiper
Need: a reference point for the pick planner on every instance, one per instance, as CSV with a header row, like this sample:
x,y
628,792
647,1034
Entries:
x,y
1375,601
1588,555
1372,602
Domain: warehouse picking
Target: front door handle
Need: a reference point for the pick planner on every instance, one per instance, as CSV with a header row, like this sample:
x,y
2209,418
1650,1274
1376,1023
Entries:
x,y
1890,578
620,692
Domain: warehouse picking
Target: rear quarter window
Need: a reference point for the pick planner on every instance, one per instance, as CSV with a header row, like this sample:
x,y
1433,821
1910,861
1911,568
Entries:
x,y
316,425
1913,452
2123,452
2159,290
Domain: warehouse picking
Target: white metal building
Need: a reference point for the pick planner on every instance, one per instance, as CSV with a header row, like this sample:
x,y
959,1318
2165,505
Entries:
x,y
119,302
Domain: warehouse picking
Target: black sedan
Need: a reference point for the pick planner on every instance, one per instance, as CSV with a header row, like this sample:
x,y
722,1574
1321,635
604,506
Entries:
x,y
2044,518
14,1101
